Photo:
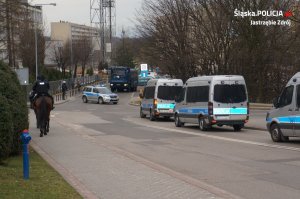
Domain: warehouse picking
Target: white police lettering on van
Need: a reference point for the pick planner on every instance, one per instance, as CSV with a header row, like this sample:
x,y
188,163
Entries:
x,y
213,100
159,98
283,121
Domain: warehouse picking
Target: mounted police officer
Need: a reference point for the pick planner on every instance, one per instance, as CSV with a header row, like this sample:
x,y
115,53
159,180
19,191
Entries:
x,y
40,87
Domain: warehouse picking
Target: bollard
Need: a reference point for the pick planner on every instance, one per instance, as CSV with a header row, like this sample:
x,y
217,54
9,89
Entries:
x,y
25,137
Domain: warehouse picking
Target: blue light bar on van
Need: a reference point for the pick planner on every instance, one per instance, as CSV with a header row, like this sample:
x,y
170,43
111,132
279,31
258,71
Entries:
x,y
166,106
230,111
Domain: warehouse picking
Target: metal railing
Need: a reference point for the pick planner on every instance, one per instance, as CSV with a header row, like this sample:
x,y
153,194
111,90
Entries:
x,y
72,84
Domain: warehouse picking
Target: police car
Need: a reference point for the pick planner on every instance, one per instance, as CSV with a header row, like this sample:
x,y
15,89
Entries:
x,y
99,94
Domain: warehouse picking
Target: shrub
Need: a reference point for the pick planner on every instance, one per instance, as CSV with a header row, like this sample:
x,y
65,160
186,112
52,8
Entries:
x,y
52,74
90,71
6,129
11,89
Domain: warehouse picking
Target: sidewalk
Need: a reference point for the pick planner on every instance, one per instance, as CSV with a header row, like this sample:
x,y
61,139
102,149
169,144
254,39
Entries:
x,y
98,170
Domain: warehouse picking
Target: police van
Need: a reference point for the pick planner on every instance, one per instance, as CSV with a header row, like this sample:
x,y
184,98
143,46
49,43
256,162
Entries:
x,y
158,98
283,121
213,100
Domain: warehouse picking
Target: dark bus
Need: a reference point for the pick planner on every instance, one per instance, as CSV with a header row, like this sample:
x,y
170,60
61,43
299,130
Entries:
x,y
123,78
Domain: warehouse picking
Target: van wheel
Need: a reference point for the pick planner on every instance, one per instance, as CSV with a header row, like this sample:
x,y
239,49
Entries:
x,y
237,127
202,124
276,134
142,115
152,117
84,99
178,123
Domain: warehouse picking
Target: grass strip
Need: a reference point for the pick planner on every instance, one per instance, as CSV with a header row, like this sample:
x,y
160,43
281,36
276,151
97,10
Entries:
x,y
44,181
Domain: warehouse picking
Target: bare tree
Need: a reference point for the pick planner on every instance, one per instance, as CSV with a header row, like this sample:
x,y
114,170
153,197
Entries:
x,y
167,24
202,37
26,42
82,50
61,56
9,19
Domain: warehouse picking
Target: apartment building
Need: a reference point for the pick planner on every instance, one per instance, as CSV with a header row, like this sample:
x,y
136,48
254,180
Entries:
x,y
67,31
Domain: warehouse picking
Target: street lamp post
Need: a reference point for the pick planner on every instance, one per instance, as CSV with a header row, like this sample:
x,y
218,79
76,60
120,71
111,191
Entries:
x,y
36,37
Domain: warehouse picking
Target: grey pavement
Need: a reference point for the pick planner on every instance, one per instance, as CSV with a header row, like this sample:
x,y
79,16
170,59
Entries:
x,y
108,151
257,119
104,171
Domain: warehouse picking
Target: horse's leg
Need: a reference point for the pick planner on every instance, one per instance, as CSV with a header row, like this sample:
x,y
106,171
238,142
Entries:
x,y
37,122
45,130
41,132
48,124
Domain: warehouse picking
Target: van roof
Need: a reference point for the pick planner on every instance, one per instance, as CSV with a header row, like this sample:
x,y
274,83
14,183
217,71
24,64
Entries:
x,y
153,81
296,76
216,77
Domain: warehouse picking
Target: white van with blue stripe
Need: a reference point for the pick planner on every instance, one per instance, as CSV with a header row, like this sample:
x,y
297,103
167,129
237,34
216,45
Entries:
x,y
283,121
158,99
213,100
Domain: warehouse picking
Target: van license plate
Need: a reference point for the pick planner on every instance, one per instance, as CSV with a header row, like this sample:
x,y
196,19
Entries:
x,y
222,117
166,111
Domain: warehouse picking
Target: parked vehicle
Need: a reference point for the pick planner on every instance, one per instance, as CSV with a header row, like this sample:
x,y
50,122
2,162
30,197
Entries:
x,y
158,99
123,78
213,100
283,121
99,94
143,80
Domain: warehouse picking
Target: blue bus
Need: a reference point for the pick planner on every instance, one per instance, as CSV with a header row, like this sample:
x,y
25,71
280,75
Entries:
x,y
123,78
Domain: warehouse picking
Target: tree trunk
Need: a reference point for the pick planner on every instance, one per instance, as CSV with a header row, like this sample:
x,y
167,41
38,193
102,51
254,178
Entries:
x,y
75,71
8,34
83,70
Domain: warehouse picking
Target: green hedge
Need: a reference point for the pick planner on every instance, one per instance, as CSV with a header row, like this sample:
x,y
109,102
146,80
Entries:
x,y
6,128
15,104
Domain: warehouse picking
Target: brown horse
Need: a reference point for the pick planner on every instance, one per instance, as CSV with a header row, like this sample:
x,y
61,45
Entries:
x,y
42,107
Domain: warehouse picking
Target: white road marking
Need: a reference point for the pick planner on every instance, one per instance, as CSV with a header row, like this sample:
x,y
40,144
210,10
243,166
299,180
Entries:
x,y
215,137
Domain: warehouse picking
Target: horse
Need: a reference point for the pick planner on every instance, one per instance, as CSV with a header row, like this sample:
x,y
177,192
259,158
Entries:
x,y
42,107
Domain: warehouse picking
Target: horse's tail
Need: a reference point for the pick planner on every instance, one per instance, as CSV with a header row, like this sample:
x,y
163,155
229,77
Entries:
x,y
43,112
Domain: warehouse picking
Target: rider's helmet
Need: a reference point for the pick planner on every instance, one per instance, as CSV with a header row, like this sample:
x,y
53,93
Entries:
x,y
40,77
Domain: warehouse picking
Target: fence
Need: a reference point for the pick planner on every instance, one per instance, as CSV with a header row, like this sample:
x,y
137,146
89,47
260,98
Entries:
x,y
74,85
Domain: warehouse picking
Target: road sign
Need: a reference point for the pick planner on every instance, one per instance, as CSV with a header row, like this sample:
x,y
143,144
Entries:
x,y
23,76
144,67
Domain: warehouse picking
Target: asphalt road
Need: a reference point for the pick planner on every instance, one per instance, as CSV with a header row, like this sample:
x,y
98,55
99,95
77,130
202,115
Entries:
x,y
246,164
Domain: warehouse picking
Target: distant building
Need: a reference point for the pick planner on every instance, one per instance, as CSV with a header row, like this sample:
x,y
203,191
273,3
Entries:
x,y
67,31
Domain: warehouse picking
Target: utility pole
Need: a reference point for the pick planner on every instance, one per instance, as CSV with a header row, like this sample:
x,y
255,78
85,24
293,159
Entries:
x,y
103,17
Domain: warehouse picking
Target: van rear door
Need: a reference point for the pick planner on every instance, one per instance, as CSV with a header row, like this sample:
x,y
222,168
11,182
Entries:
x,y
234,95
239,100
221,106
166,94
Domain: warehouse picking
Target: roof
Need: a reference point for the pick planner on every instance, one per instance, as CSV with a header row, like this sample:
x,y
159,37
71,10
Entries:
x,y
216,77
154,81
294,78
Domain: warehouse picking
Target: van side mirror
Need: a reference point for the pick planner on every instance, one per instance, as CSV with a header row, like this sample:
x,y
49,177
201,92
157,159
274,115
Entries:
x,y
275,102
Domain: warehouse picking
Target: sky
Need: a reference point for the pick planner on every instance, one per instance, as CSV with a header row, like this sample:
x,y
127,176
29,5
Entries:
x,y
78,11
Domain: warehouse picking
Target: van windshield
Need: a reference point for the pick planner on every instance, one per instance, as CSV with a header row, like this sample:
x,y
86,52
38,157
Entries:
x,y
225,93
168,92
